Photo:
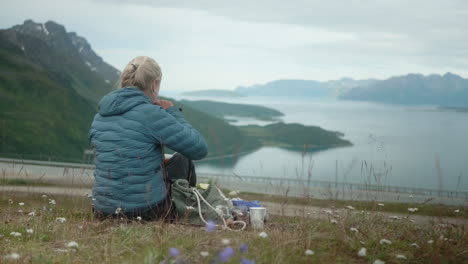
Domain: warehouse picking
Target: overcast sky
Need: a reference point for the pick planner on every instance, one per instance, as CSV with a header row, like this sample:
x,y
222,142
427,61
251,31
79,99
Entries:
x,y
215,44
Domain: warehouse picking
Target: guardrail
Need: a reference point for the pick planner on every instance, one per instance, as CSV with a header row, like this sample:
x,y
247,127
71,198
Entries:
x,y
280,181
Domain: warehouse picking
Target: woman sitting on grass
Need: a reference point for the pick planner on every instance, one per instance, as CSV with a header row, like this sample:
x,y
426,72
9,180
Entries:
x,y
129,132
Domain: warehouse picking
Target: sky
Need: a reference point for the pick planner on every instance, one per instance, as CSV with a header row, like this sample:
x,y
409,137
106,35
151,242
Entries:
x,y
216,44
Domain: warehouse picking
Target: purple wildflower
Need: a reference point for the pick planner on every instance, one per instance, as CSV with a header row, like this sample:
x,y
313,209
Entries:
x,y
226,254
243,248
174,252
210,226
246,261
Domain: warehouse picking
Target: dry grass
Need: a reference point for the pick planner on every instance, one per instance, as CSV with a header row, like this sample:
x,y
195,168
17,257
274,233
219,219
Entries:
x,y
119,241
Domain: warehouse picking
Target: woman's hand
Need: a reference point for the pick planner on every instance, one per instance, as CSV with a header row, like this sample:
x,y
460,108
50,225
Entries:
x,y
165,104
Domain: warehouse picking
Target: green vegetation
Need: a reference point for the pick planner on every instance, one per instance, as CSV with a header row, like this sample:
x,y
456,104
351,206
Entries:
x,y
122,241
221,110
214,92
294,136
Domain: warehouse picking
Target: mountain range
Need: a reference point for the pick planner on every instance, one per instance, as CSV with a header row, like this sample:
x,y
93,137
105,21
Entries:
x,y
51,81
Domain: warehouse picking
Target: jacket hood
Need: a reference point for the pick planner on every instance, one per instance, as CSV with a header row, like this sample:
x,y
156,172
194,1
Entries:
x,y
122,100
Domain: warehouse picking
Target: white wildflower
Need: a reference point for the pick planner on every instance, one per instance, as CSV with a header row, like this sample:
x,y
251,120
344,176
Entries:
x,y
20,211
15,234
333,221
80,227
233,193
61,219
410,196
394,217
51,201
190,207
263,235
12,256
353,229
20,204
90,196
118,210
32,213
381,204
385,241
362,252
204,254
378,261
309,252
72,244
456,211
412,210
29,231
430,241
328,211
400,256
415,245
139,218
362,242
350,207
61,250
225,242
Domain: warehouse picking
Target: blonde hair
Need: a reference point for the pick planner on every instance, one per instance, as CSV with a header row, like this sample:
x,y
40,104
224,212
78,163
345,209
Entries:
x,y
140,72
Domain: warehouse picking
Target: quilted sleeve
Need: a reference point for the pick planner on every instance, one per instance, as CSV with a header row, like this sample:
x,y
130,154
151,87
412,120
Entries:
x,y
175,132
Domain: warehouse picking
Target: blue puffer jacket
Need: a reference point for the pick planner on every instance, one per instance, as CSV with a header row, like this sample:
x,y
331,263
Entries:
x,y
127,132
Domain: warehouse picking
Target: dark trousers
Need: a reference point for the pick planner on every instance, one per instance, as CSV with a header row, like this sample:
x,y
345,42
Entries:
x,y
177,167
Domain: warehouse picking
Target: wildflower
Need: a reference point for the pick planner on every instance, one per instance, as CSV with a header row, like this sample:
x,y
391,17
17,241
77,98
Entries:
x,y
29,231
246,261
430,241
210,226
309,252
139,218
350,207
378,261
80,227
12,256
456,211
243,248
204,254
20,211
118,210
412,210
15,234
174,252
233,193
394,217
72,244
353,229
44,208
44,196
20,204
415,245
328,211
51,201
400,256
333,221
385,241
410,196
362,252
263,235
32,213
381,204
61,219
225,241
226,254
10,201
190,207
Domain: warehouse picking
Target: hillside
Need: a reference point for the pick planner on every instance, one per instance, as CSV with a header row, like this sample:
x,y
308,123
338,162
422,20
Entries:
x,y
50,83
221,110
414,89
214,92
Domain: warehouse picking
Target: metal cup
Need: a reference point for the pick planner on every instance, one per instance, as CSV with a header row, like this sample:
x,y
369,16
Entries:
x,y
257,217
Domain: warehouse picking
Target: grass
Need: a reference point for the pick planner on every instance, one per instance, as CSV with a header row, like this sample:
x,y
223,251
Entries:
x,y
121,241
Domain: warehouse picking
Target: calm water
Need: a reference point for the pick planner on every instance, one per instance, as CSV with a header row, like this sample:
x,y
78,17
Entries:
x,y
404,146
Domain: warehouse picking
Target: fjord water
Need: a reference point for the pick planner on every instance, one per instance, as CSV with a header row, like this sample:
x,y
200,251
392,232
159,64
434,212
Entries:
x,y
412,146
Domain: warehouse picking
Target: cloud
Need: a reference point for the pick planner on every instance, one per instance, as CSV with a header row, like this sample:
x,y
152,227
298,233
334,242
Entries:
x,y
219,44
